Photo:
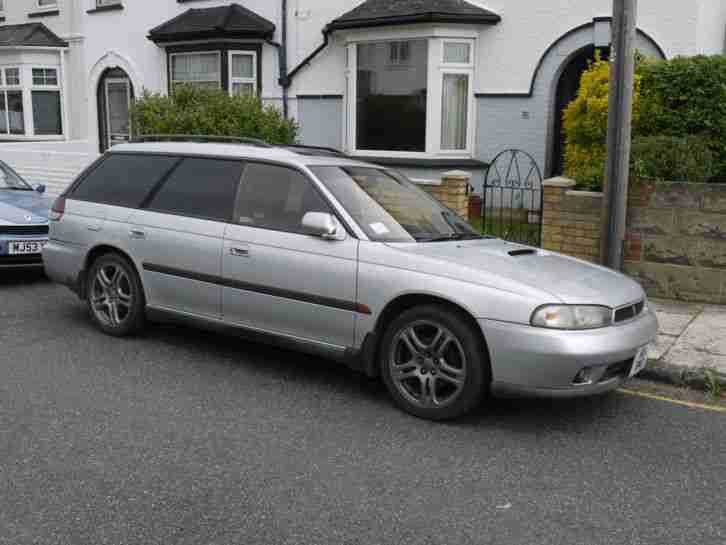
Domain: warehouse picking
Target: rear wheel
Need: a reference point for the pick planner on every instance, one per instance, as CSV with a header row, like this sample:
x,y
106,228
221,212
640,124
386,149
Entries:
x,y
434,363
114,295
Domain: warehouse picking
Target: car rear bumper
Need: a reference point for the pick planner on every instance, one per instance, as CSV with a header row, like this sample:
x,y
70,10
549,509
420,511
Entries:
x,y
541,362
63,263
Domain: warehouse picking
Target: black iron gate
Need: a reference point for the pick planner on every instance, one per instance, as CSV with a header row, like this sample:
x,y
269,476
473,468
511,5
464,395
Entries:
x,y
512,198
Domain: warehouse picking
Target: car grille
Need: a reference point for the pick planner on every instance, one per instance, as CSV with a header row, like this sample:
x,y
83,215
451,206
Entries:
x,y
33,259
23,229
628,312
620,369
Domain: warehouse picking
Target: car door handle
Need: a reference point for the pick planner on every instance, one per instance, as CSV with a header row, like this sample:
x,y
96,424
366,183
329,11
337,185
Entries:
x,y
137,233
239,252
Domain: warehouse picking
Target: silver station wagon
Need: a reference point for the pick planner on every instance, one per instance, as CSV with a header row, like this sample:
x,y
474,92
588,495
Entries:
x,y
344,259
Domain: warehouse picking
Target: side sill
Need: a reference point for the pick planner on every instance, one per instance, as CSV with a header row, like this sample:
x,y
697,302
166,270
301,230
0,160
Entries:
x,y
347,356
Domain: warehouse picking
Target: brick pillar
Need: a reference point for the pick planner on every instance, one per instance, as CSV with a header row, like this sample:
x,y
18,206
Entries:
x,y
454,191
552,220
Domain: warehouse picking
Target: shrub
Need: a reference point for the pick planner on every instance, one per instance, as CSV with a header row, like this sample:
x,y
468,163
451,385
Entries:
x,y
586,126
687,96
210,112
683,100
670,158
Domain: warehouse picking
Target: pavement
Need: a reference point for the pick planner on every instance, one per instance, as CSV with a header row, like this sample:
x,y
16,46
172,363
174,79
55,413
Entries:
x,y
185,437
691,342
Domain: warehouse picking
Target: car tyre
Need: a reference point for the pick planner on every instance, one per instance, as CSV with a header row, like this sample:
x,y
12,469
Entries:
x,y
114,296
435,363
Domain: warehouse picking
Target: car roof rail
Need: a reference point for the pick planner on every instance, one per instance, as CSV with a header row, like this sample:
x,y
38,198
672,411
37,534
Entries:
x,y
321,151
202,139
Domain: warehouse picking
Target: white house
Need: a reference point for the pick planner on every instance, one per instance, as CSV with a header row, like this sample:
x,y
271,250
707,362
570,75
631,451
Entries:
x,y
423,85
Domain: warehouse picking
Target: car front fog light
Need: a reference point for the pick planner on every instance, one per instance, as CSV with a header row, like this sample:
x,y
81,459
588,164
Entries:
x,y
572,316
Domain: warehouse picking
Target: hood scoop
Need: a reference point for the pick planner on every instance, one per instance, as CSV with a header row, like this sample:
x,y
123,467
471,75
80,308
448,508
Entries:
x,y
525,251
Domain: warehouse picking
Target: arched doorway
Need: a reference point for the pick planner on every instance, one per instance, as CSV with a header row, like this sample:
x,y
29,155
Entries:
x,y
114,95
568,86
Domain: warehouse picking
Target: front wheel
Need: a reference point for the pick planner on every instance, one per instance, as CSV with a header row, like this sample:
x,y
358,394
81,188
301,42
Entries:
x,y
435,364
115,297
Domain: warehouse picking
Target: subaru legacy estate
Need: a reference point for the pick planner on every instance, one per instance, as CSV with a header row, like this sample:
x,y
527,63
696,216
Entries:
x,y
344,259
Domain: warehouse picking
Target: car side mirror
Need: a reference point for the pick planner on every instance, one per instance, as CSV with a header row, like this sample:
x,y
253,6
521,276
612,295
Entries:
x,y
40,189
320,224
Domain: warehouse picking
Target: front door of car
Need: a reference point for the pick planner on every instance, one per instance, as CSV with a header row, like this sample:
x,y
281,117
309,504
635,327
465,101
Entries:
x,y
278,278
178,235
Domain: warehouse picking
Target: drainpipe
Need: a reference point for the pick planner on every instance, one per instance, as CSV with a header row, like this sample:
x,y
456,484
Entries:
x,y
283,61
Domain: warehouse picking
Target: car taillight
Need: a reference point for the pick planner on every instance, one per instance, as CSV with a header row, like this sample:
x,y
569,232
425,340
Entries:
x,y
58,209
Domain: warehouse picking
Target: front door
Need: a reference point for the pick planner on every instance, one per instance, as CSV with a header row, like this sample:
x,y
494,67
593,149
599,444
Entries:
x,y
118,100
279,279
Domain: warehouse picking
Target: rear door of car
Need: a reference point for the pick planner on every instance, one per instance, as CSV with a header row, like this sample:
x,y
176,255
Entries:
x,y
177,235
99,204
277,277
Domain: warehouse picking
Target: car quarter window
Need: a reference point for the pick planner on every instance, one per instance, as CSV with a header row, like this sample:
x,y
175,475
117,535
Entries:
x,y
123,180
276,197
203,188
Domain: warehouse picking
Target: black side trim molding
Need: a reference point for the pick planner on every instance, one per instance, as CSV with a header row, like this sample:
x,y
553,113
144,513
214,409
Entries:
x,y
350,306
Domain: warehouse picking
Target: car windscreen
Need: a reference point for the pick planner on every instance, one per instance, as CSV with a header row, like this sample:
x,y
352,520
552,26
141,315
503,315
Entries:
x,y
389,208
10,180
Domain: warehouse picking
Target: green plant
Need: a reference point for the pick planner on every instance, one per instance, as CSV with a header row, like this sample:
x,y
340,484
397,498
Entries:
x,y
210,112
715,383
585,122
687,96
679,122
671,158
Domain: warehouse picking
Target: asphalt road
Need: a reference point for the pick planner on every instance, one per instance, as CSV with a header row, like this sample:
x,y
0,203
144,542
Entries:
x,y
181,437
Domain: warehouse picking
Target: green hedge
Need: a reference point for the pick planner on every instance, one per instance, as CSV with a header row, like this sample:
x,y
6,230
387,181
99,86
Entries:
x,y
679,122
210,112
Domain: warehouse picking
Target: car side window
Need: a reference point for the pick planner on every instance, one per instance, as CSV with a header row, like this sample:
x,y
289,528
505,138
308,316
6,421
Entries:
x,y
123,180
276,197
202,188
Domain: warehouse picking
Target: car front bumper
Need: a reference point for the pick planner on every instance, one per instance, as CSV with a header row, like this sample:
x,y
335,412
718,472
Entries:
x,y
23,261
540,362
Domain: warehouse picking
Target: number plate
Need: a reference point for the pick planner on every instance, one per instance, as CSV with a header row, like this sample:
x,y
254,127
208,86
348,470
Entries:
x,y
640,361
25,247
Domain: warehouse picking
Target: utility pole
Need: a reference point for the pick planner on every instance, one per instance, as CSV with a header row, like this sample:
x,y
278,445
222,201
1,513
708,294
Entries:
x,y
620,130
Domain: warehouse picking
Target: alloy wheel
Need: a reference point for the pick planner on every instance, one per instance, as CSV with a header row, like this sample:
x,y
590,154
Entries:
x,y
111,295
428,364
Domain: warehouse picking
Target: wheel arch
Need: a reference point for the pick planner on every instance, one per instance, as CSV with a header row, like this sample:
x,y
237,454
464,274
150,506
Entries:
x,y
96,252
401,304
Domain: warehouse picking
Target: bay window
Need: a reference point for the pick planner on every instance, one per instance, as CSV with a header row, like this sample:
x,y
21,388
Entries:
x,y
30,102
411,97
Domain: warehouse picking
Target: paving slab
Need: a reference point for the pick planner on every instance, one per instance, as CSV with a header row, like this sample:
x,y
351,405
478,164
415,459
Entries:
x,y
692,337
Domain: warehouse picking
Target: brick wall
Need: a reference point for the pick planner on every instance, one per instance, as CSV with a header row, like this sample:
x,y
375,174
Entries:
x,y
571,220
676,235
453,191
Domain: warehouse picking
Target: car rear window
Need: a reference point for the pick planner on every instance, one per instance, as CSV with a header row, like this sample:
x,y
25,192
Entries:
x,y
202,188
123,180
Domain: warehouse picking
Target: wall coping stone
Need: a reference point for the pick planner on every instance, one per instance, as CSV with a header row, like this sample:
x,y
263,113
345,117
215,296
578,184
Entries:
x,y
591,194
559,181
456,175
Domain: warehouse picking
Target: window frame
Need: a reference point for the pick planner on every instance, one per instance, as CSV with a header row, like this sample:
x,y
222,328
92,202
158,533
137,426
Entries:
x,y
146,203
437,38
172,81
236,79
32,87
307,177
48,7
6,88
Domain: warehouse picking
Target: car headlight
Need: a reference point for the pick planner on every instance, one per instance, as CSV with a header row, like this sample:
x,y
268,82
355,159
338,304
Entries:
x,y
572,316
